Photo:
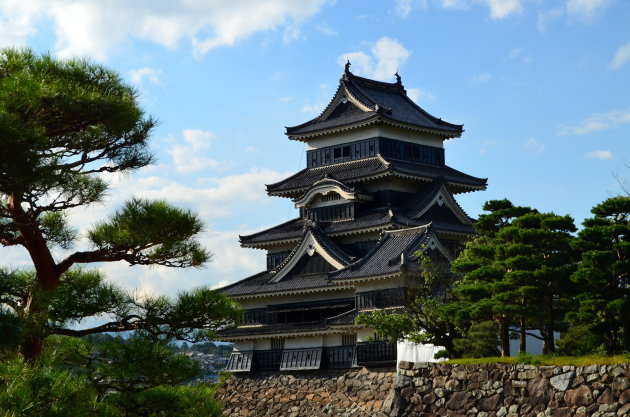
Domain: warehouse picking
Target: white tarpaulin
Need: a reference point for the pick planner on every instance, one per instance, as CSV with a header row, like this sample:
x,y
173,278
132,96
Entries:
x,y
412,352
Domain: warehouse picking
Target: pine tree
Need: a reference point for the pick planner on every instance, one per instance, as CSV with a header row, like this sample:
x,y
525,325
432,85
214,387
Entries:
x,y
62,124
605,272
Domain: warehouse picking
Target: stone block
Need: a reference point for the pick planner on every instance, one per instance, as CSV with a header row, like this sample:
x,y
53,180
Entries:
x,y
490,403
563,381
458,400
579,396
562,412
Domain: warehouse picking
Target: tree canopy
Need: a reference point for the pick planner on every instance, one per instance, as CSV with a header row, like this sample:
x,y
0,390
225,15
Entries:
x,y
604,271
63,123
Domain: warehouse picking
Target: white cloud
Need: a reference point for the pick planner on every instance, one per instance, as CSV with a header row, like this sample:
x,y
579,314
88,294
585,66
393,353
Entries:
x,y
599,155
418,95
455,4
146,73
188,157
487,144
292,33
515,53
313,107
481,78
534,146
285,99
85,28
326,29
500,9
622,56
317,105
547,16
585,10
403,8
387,57
597,122
519,53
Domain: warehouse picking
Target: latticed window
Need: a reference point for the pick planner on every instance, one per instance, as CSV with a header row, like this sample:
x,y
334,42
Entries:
x,y
277,344
349,339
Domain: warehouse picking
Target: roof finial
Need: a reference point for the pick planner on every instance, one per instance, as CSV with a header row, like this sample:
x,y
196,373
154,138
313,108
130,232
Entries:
x,y
398,80
347,70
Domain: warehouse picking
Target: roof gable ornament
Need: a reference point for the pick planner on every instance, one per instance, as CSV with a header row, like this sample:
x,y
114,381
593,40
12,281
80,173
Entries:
x,y
329,185
310,245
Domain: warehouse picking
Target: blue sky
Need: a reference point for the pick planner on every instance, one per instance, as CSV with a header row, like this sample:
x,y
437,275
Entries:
x,y
542,88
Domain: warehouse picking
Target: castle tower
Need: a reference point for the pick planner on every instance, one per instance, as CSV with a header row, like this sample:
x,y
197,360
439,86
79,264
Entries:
x,y
376,189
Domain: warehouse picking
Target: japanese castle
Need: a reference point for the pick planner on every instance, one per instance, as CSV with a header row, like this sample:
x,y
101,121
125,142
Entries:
x,y
376,189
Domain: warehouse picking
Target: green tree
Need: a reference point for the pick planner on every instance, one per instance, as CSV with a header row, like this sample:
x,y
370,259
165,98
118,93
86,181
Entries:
x,y
517,273
483,290
431,315
539,260
604,306
62,123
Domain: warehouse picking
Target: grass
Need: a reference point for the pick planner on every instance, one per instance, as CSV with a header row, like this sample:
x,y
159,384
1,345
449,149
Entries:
x,y
542,360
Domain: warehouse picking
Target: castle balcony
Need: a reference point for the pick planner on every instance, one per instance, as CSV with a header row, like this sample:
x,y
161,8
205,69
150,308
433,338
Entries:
x,y
335,357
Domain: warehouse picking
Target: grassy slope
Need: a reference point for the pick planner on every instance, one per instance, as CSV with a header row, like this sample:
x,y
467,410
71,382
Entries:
x,y
548,360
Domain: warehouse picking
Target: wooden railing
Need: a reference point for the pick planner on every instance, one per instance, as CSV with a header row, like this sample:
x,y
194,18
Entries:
x,y
301,359
339,357
240,362
375,353
267,360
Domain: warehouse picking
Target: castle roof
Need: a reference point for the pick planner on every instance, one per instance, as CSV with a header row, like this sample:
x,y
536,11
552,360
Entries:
x,y
375,167
361,102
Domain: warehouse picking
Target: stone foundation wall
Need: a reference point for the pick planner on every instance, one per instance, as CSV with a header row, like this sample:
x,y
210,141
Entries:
x,y
432,390
491,390
344,393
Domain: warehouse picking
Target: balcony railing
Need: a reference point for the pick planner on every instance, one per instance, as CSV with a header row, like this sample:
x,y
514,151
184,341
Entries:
x,y
301,359
375,353
267,360
336,357
339,357
240,362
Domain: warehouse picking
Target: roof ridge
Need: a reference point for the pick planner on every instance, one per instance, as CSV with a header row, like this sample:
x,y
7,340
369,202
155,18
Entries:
x,y
240,237
408,231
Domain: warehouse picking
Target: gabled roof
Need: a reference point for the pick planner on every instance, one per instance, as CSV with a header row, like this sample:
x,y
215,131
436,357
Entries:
x,y
312,241
327,185
393,255
360,101
371,168
281,279
368,221
261,285
437,195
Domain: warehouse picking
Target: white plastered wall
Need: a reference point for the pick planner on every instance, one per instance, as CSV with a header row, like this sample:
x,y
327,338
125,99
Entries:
x,y
369,132
304,342
395,282
298,298
244,345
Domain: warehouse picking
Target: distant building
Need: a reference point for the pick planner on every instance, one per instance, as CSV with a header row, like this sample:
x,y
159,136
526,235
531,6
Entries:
x,y
376,189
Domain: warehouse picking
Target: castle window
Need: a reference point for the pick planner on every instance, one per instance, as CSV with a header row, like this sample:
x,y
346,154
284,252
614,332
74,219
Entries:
x,y
349,339
277,344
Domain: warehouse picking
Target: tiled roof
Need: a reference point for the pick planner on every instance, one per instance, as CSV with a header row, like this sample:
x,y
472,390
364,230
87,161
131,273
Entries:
x,y
273,329
261,284
392,254
293,229
345,171
385,102
360,169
